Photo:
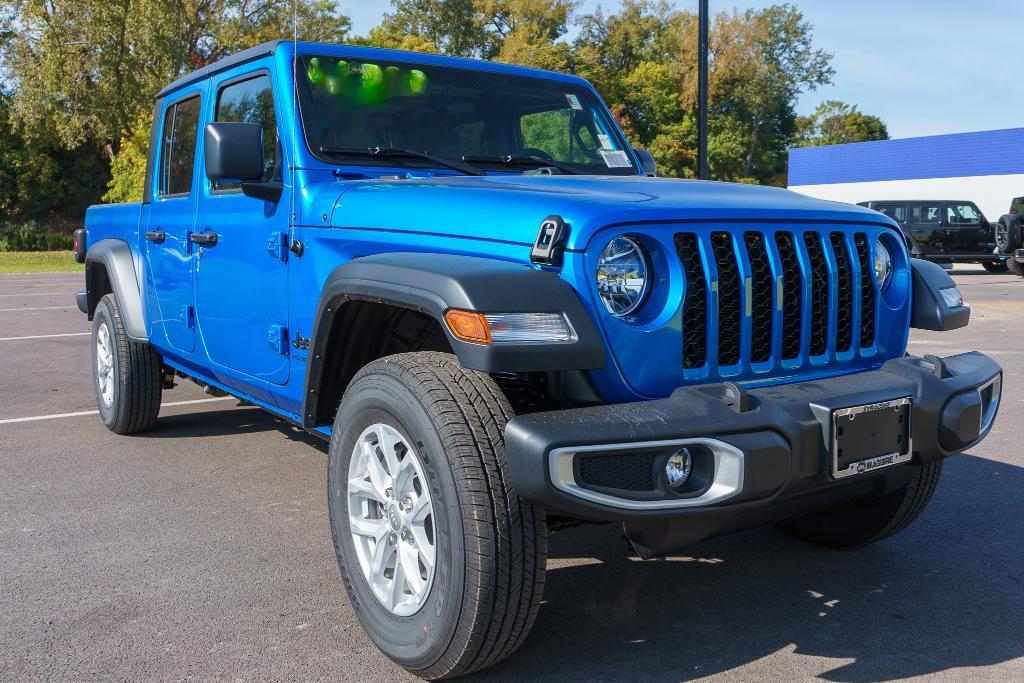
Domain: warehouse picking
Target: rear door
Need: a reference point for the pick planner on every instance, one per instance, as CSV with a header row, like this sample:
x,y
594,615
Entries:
x,y
241,281
925,222
169,251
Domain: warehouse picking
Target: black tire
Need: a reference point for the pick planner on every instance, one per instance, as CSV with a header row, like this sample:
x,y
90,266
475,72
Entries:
x,y
995,266
866,521
137,382
1008,235
1015,267
491,547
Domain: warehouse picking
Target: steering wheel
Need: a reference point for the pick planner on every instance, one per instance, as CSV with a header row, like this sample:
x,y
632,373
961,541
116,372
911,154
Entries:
x,y
534,152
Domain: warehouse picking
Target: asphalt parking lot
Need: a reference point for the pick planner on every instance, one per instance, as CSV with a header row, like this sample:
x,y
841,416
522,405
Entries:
x,y
201,550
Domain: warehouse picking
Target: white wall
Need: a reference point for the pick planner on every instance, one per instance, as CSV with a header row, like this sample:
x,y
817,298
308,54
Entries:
x,y
992,193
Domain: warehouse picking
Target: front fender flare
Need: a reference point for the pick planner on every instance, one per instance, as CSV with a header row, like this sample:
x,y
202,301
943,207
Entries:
x,y
115,257
434,283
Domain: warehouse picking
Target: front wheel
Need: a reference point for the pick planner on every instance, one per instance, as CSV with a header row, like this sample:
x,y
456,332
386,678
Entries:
x,y
442,562
867,521
995,266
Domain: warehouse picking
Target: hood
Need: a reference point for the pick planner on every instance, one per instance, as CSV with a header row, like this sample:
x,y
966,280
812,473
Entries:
x,y
510,208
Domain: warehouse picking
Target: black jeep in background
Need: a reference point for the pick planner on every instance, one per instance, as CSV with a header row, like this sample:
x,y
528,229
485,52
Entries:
x,y
945,231
1009,240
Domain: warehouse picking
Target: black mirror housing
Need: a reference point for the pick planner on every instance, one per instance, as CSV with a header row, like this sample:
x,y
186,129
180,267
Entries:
x,y
646,161
233,151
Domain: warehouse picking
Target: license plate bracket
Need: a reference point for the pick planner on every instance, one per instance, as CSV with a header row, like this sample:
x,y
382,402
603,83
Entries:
x,y
871,436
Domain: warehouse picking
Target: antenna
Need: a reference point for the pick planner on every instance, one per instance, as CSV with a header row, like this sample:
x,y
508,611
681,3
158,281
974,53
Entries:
x,y
295,108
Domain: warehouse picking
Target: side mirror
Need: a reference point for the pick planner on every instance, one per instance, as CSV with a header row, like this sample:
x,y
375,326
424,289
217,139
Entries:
x,y
646,161
234,152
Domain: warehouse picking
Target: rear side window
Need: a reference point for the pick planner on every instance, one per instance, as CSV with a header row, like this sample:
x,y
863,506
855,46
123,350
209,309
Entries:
x,y
251,101
897,212
926,213
178,155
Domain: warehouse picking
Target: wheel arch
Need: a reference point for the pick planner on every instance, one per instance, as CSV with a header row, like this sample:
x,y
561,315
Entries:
x,y
399,292
110,268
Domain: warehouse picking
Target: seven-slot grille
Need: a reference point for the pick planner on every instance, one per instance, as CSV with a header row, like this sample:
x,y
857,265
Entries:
x,y
783,287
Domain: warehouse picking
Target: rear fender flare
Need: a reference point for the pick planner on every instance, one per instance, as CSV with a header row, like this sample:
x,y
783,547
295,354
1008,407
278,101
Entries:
x,y
112,259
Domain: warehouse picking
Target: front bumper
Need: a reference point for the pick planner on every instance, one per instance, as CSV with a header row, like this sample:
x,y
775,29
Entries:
x,y
766,450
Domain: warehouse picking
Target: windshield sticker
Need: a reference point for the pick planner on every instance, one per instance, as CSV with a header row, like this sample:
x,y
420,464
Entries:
x,y
616,159
574,102
606,142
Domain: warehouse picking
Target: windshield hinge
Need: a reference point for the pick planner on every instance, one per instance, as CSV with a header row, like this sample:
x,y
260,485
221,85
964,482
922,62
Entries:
x,y
551,238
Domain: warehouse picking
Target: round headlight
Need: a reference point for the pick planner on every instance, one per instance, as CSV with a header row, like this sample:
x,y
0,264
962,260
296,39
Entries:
x,y
883,264
622,278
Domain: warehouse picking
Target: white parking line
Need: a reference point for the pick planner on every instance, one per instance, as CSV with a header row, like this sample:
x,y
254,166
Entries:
x,y
47,336
57,416
37,308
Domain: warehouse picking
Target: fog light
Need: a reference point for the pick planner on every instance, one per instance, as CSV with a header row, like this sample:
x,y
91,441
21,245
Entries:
x,y
678,468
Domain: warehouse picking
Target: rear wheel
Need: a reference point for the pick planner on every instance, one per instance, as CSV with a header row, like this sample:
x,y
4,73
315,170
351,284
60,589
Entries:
x,y
442,562
1008,234
126,374
867,521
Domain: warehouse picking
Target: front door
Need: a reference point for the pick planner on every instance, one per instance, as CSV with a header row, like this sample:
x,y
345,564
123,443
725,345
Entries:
x,y
168,247
241,280
925,225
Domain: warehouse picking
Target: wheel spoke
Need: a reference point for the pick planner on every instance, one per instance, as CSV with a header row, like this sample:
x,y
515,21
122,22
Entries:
x,y
381,553
371,528
398,581
406,476
408,559
380,478
388,440
361,487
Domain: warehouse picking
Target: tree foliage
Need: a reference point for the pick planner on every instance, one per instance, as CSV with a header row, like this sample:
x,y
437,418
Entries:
x,y
81,74
837,123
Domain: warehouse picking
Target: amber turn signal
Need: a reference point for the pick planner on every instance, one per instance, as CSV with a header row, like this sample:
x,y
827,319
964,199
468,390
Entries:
x,y
468,326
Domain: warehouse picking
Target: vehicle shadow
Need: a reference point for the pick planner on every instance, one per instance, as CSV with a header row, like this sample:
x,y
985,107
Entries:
x,y
239,419
945,593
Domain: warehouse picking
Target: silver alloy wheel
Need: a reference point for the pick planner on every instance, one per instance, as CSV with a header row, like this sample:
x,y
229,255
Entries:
x,y
105,364
391,517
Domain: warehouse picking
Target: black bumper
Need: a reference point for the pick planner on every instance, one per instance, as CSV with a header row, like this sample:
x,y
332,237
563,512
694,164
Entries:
x,y
776,439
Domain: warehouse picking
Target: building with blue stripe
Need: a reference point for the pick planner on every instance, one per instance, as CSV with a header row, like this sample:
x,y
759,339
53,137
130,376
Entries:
x,y
985,167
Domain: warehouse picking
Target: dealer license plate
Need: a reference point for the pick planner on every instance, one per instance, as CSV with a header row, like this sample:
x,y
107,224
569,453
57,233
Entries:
x,y
869,437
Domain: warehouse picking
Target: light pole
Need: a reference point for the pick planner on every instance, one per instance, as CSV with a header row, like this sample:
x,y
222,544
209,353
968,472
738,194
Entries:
x,y
702,91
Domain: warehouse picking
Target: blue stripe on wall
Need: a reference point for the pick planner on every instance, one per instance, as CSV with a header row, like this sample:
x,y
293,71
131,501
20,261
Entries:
x,y
992,152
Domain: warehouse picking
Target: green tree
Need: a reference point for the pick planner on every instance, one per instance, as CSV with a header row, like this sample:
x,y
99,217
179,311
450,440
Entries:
x,y
837,123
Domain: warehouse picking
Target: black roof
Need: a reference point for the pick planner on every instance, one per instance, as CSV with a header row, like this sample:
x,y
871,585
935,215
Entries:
x,y
223,64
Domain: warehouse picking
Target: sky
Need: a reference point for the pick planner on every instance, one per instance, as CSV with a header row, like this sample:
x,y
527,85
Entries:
x,y
926,67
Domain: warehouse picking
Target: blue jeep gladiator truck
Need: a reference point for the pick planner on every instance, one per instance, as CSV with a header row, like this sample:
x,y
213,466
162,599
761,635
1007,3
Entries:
x,y
463,276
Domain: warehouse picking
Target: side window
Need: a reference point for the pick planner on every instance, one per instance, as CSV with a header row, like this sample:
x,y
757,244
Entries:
x,y
897,212
930,214
178,148
962,214
251,101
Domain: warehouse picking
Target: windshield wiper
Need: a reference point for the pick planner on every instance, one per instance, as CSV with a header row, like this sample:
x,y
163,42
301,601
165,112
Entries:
x,y
523,160
394,152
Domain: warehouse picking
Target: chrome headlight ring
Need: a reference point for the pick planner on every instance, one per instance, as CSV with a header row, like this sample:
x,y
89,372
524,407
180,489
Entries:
x,y
623,276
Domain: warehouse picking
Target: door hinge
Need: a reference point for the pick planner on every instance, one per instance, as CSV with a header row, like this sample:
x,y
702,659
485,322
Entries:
x,y
188,316
277,337
551,238
277,245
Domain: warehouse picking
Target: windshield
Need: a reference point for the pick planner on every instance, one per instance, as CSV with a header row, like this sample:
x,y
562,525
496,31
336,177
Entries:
x,y
493,121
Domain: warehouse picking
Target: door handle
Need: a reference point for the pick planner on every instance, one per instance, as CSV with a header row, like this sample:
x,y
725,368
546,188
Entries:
x,y
157,236
207,239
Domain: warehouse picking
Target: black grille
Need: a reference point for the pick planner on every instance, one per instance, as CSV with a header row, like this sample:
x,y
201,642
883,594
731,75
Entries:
x,y
844,317
792,295
819,292
730,296
761,297
867,290
695,303
625,472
